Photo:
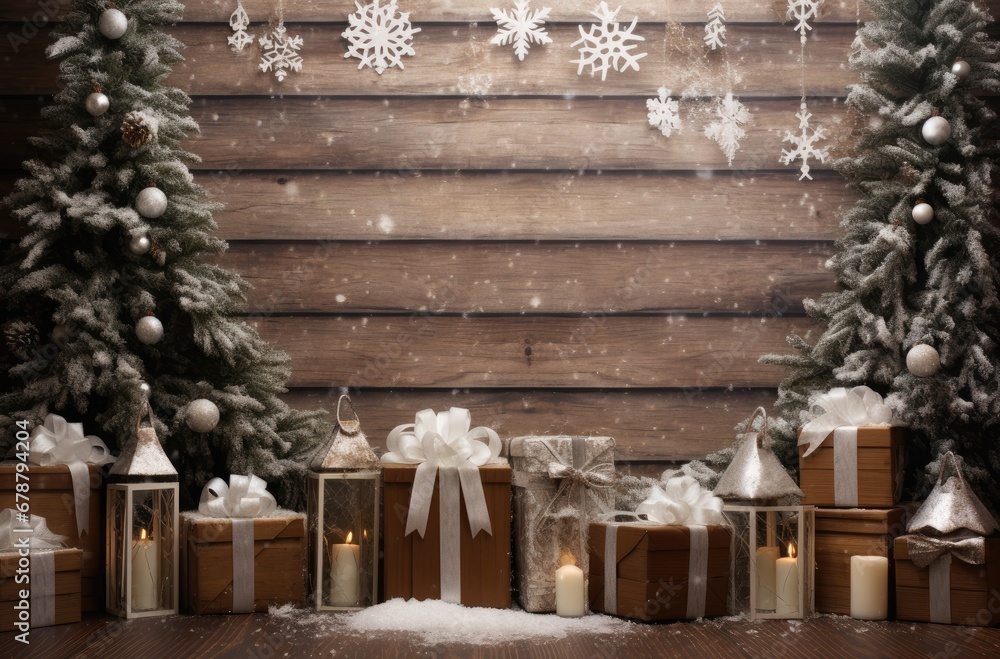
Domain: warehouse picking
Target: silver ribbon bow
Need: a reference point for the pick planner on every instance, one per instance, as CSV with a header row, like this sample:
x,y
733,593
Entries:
x,y
855,407
682,501
58,442
966,546
34,533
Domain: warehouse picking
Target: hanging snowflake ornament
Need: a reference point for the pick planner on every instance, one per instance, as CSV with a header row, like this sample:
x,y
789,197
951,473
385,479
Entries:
x,y
715,29
729,128
239,22
379,35
805,143
803,11
606,45
664,112
280,52
521,27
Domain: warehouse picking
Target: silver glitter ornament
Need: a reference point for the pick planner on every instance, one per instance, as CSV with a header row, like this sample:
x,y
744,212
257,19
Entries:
x,y
923,361
952,506
961,69
97,103
923,213
202,415
112,23
145,389
936,131
755,474
140,245
149,330
151,202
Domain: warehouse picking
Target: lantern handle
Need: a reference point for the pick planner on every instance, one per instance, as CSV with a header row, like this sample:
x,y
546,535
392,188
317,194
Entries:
x,y
760,411
349,426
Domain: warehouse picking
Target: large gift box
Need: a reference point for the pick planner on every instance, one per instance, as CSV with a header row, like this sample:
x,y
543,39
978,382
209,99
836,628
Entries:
x,y
843,533
561,484
446,512
54,588
850,456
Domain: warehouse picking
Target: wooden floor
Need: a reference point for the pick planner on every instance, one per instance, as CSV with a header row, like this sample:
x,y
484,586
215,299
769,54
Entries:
x,y
260,636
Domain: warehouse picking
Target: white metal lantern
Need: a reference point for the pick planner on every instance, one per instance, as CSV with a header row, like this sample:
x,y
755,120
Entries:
x,y
343,511
141,560
773,561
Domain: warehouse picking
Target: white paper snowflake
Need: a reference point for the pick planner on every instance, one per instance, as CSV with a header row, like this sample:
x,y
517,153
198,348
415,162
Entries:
x,y
729,129
521,27
606,46
280,53
715,29
804,143
239,22
803,11
664,112
379,35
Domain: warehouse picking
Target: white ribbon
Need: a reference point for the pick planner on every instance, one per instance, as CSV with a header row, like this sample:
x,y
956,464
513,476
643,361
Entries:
x,y
697,572
57,442
859,406
845,466
16,534
682,501
939,590
42,573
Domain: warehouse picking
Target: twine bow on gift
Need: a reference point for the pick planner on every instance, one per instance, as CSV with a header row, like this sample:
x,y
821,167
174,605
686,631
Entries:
x,y
57,442
579,475
16,534
855,407
243,497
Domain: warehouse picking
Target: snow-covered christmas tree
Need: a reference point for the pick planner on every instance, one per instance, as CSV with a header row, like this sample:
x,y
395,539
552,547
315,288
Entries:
x,y
918,314
108,295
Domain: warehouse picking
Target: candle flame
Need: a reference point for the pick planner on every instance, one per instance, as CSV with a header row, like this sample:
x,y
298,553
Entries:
x,y
364,534
142,534
791,550
567,558
350,536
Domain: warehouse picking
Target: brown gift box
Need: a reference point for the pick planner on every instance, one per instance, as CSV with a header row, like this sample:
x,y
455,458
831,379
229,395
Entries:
x,y
842,533
880,469
975,589
51,497
653,571
412,566
279,575
67,587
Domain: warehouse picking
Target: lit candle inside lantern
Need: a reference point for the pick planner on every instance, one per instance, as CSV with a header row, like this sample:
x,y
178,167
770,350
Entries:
x,y
571,594
786,577
345,573
869,587
145,573
766,559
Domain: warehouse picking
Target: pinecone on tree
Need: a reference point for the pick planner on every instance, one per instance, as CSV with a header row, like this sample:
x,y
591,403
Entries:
x,y
139,129
22,338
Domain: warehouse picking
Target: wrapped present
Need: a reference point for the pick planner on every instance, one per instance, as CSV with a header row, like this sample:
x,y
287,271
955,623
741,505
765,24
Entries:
x,y
240,552
843,533
851,455
561,484
673,566
65,477
446,512
52,587
948,566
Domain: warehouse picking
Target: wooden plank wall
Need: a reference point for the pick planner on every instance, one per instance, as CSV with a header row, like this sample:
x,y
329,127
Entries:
x,y
510,236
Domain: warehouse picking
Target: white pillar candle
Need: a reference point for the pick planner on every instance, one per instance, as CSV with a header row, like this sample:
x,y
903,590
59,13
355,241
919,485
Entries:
x,y
786,576
869,587
571,594
766,559
145,573
345,573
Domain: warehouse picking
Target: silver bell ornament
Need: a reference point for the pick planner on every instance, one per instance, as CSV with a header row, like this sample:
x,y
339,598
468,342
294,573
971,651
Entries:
x,y
923,361
97,103
149,330
151,202
923,212
112,23
961,69
202,415
140,245
936,130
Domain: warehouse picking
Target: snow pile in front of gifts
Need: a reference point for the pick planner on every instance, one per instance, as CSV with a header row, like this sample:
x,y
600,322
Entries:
x,y
434,621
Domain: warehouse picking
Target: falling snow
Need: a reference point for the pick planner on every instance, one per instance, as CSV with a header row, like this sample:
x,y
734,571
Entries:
x,y
379,35
664,112
805,143
605,45
280,53
803,11
521,27
729,128
715,29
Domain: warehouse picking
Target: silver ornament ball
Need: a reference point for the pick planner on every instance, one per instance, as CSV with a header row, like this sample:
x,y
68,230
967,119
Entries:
x,y
97,104
202,415
923,361
140,245
112,24
923,213
961,69
145,389
151,203
149,330
936,131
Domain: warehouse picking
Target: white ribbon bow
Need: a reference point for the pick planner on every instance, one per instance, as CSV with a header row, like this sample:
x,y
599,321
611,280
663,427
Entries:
x,y
57,442
446,441
15,534
243,497
859,406
682,500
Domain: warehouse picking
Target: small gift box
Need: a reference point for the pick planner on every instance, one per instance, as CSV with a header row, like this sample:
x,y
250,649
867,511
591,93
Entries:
x,y
446,512
850,456
240,552
561,484
657,571
39,581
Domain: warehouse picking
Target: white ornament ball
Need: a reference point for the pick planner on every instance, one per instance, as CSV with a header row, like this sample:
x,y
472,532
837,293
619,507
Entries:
x,y
145,389
151,203
97,104
140,245
202,415
961,69
923,361
112,23
923,213
149,330
936,131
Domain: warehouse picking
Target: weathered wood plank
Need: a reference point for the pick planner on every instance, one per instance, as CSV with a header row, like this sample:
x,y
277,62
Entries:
x,y
509,278
651,425
637,352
